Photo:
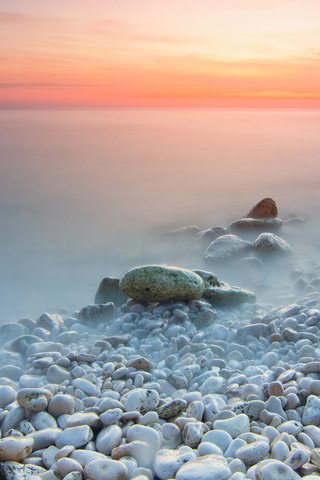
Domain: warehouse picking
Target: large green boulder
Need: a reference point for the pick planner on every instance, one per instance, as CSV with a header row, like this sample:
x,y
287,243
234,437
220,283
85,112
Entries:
x,y
157,283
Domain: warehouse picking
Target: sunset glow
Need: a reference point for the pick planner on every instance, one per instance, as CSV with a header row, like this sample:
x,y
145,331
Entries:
x,y
150,53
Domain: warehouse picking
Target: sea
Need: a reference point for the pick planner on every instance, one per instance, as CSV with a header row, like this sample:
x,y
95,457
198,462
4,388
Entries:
x,y
85,194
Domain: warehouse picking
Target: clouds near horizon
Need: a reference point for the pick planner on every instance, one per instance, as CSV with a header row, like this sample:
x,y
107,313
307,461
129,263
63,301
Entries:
x,y
208,55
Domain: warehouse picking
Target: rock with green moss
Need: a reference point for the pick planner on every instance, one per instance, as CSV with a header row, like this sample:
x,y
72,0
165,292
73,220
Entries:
x,y
34,399
158,283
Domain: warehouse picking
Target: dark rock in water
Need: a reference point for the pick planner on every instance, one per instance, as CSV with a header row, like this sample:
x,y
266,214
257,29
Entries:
x,y
109,291
227,248
182,233
266,208
18,471
212,233
271,243
20,344
266,224
210,279
293,220
95,312
157,283
228,295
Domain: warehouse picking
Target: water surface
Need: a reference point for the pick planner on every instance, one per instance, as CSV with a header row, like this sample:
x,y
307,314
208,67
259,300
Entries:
x,y
83,193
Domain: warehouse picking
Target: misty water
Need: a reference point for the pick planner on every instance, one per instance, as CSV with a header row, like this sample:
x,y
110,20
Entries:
x,y
84,194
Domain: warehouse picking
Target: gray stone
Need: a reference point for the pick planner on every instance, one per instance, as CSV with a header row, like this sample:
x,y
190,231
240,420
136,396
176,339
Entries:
x,y
271,243
109,291
225,248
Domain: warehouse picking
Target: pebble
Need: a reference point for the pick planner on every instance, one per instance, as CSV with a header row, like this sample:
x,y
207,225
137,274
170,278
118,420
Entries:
x,y
142,400
100,469
167,462
76,436
108,438
208,467
7,395
253,453
235,426
15,448
33,399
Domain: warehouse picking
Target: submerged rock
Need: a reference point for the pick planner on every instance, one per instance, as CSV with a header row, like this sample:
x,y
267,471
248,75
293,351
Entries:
x,y
228,295
109,291
266,224
157,283
227,248
266,208
212,233
182,233
269,242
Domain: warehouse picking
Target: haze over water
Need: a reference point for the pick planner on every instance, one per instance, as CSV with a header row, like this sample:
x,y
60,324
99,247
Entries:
x,y
83,193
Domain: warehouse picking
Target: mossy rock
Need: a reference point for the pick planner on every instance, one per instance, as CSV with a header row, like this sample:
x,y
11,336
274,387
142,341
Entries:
x,y
228,295
157,283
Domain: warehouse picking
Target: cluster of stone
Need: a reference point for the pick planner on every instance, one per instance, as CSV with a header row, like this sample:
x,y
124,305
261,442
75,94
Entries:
x,y
175,389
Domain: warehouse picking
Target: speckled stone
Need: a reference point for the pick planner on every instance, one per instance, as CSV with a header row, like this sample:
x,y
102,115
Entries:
x,y
156,283
269,242
33,399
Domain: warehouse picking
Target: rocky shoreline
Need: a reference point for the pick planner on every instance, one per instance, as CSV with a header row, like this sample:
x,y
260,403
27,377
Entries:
x,y
172,374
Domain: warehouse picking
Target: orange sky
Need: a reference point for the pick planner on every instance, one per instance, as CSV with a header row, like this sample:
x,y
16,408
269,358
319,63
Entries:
x,y
199,53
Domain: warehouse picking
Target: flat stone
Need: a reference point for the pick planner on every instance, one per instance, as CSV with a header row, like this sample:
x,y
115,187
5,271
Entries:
x,y
265,224
228,295
76,436
156,283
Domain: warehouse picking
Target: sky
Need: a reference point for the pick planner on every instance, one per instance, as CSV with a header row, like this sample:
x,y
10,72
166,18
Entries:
x,y
160,53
